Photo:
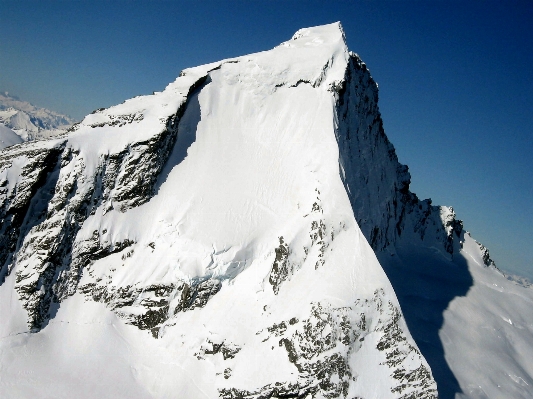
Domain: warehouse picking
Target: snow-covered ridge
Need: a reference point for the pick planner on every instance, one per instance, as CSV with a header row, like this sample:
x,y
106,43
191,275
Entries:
x,y
8,137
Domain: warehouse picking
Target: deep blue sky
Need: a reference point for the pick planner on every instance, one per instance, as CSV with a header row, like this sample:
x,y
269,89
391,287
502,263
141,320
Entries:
x,y
456,81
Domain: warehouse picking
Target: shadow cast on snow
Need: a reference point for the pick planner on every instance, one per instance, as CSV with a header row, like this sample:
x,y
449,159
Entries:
x,y
425,285
35,211
186,136
188,124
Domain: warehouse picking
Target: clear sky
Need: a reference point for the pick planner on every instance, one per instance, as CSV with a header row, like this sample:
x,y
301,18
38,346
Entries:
x,y
455,78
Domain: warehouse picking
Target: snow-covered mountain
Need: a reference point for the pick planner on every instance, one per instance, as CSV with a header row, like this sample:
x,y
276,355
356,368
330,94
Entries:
x,y
30,122
219,239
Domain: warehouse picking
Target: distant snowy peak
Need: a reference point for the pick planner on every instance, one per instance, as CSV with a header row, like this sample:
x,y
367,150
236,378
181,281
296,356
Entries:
x,y
30,122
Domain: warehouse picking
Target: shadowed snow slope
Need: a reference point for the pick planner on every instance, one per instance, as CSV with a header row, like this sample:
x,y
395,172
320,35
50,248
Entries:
x,y
8,137
204,242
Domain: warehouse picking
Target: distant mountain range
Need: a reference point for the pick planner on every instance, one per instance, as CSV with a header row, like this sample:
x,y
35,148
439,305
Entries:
x,y
27,121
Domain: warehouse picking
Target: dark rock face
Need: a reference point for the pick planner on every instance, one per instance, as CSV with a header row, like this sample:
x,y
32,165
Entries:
x,y
153,302
226,349
16,211
282,268
320,237
377,184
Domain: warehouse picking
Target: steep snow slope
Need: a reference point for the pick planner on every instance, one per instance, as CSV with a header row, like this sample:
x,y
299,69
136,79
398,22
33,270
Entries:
x,y
472,324
30,122
200,242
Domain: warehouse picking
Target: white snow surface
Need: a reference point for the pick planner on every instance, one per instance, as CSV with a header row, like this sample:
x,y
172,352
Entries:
x,y
487,335
473,324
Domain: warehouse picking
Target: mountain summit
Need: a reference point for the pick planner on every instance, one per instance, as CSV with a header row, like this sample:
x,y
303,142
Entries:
x,y
219,239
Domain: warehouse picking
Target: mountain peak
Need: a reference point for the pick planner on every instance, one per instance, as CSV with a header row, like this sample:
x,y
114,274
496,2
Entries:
x,y
209,222
316,35
223,238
